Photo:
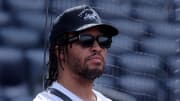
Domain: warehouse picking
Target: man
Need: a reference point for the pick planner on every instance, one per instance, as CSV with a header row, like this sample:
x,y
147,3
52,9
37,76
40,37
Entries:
x,y
78,47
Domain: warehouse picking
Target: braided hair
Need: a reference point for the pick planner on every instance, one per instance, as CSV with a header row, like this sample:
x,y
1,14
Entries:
x,y
55,45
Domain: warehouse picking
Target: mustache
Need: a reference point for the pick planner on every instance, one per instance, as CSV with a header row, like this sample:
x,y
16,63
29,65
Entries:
x,y
95,54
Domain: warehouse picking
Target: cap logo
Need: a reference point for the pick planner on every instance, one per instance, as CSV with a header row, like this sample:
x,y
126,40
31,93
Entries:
x,y
88,14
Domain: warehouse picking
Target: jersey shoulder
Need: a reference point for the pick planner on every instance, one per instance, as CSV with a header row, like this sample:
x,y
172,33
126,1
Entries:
x,y
45,96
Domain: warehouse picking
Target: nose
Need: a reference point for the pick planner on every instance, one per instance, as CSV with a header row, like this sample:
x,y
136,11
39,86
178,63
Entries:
x,y
96,47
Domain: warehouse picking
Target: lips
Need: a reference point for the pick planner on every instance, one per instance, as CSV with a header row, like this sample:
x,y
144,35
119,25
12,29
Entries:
x,y
96,58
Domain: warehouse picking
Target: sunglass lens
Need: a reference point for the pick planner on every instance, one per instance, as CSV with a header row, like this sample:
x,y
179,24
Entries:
x,y
104,42
86,40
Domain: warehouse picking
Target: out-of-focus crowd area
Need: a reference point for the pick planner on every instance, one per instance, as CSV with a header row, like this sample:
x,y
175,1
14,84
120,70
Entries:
x,y
143,63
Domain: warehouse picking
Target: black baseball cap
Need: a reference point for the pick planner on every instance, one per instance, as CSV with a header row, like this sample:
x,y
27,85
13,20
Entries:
x,y
77,19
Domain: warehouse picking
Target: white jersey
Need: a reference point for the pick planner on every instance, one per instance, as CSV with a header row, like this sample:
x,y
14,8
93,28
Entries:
x,y
47,96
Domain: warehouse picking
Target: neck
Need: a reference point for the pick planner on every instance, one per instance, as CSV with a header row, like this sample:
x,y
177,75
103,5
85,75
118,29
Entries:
x,y
78,85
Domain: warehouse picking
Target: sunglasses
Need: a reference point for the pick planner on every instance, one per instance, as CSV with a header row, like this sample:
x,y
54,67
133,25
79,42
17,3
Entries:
x,y
87,40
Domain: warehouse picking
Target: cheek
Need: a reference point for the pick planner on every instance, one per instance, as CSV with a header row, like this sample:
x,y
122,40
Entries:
x,y
82,56
78,54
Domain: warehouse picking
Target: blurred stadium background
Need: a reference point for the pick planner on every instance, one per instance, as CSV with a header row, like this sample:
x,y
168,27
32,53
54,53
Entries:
x,y
143,63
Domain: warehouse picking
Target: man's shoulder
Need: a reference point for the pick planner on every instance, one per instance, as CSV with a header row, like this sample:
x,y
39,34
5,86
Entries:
x,y
45,96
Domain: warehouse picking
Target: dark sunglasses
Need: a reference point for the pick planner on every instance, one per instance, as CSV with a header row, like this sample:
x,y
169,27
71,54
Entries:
x,y
87,40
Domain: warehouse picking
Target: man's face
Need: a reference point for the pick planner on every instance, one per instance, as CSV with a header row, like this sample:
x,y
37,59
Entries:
x,y
87,62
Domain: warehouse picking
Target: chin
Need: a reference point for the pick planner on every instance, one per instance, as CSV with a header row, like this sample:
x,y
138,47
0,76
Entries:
x,y
91,73
96,68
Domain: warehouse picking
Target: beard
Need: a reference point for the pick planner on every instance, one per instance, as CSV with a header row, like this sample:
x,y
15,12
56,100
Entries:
x,y
90,74
84,70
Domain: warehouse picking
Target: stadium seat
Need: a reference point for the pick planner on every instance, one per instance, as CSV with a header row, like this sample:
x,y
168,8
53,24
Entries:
x,y
1,3
173,84
110,59
177,15
145,89
13,73
160,46
22,98
1,92
3,99
29,5
151,13
174,97
122,44
16,91
34,20
141,64
20,37
173,65
4,18
113,9
153,3
145,98
110,64
64,4
35,61
13,70
1,43
129,27
177,3
168,30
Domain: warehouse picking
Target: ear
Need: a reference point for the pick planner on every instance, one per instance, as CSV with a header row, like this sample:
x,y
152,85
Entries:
x,y
59,53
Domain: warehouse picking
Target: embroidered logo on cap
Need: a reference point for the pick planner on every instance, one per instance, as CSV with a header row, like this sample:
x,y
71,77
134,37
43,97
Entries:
x,y
88,14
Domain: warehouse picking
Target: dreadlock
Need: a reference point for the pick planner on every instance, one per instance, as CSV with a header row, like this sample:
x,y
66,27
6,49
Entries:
x,y
53,59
